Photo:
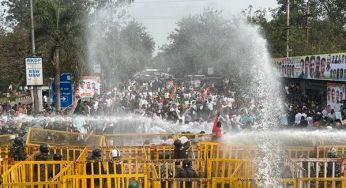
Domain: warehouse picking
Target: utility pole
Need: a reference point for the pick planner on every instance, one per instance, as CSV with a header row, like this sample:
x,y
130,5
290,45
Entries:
x,y
35,92
288,30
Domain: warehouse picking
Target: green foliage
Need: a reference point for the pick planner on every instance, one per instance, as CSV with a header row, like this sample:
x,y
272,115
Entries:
x,y
198,42
322,29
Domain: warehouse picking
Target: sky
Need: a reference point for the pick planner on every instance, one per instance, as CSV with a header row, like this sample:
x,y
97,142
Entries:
x,y
160,16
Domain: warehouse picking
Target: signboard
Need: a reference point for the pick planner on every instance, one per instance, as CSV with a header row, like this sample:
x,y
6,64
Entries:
x,y
88,86
34,74
66,93
335,95
318,67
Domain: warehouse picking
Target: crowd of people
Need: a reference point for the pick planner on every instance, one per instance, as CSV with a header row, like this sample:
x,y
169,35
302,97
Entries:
x,y
177,102
306,112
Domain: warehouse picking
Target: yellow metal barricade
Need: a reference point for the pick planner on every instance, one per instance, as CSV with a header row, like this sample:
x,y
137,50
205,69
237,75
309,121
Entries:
x,y
5,161
66,171
213,150
140,139
6,139
93,181
33,172
322,150
322,182
300,152
250,183
230,168
80,164
38,136
168,168
126,152
180,182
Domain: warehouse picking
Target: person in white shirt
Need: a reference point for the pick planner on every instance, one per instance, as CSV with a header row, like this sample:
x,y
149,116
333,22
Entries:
x,y
297,118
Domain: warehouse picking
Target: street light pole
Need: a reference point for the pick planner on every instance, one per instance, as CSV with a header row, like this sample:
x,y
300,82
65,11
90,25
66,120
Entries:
x,y
288,30
35,92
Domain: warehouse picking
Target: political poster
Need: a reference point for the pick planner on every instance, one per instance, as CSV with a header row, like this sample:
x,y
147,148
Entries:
x,y
335,95
34,74
89,86
318,67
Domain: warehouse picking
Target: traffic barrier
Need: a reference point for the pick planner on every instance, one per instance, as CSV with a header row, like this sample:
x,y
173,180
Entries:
x,y
38,136
6,139
322,167
119,181
140,139
127,152
214,150
230,168
321,182
180,182
168,168
323,150
31,172
250,183
300,152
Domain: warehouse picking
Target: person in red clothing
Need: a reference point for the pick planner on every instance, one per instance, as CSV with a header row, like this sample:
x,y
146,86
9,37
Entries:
x,y
217,131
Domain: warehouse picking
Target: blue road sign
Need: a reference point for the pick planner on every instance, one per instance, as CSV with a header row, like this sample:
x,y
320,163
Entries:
x,y
66,93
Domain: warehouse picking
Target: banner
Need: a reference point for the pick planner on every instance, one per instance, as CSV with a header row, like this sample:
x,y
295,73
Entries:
x,y
319,67
34,74
88,86
335,95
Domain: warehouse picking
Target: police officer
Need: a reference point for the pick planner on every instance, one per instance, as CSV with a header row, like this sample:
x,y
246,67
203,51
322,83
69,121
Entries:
x,y
180,150
44,156
56,157
44,153
17,151
114,164
186,172
94,166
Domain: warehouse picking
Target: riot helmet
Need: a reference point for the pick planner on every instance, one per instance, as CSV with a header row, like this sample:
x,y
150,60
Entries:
x,y
57,157
177,143
115,153
133,184
44,148
96,152
19,141
187,163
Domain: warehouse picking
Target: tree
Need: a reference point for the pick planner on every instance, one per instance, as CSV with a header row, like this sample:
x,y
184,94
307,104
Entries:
x,y
13,47
59,28
315,27
119,44
199,42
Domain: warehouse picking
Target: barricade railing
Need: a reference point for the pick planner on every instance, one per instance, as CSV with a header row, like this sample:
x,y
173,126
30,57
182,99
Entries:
x,y
33,171
323,150
321,182
140,139
6,139
180,182
80,165
127,152
66,171
4,159
291,169
119,181
210,150
230,168
300,152
251,183
38,136
169,167
322,168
